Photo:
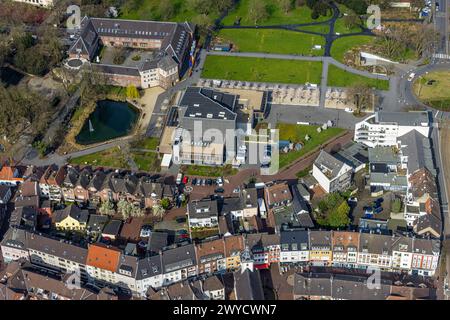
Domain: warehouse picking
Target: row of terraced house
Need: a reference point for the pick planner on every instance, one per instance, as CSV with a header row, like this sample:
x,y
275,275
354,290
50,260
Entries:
x,y
103,264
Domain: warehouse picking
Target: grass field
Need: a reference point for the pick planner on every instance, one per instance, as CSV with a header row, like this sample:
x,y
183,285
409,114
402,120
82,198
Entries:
x,y
320,28
275,15
149,143
149,10
147,161
262,70
207,171
297,133
341,78
437,94
339,26
247,40
342,45
113,157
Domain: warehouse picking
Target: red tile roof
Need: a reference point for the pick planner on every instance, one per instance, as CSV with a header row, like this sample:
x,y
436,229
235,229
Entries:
x,y
103,257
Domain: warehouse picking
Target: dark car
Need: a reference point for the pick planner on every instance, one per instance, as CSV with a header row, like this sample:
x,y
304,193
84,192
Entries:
x,y
194,181
379,200
209,182
180,220
378,210
219,190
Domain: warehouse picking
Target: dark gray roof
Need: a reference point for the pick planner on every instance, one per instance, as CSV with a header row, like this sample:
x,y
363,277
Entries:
x,y
203,209
73,211
149,267
426,246
112,228
15,237
32,201
350,287
403,118
231,204
24,216
296,240
129,264
97,222
353,154
418,149
205,103
249,198
248,285
156,242
298,201
179,258
316,284
71,177
57,248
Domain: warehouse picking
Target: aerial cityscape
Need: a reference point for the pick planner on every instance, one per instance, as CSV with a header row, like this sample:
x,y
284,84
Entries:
x,y
224,150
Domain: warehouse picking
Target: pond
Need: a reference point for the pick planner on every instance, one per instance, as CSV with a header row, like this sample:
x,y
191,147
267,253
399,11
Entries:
x,y
10,76
110,120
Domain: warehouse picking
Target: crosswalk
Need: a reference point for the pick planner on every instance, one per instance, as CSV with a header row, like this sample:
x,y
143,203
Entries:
x,y
441,56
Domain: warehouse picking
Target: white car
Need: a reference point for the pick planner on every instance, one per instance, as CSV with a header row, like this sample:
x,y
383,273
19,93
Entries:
x,y
411,76
220,182
349,110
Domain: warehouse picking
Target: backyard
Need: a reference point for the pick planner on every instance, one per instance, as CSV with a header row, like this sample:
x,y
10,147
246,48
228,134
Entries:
x,y
147,161
297,133
338,77
262,70
268,41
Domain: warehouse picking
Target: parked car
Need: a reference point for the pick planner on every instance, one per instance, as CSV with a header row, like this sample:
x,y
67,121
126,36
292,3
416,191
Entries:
x,y
378,210
203,182
411,76
349,110
185,180
219,182
219,190
194,181
179,177
209,182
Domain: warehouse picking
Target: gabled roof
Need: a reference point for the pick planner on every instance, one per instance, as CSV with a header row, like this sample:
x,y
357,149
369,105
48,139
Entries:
x,y
179,258
203,209
103,257
248,285
72,211
329,165
418,149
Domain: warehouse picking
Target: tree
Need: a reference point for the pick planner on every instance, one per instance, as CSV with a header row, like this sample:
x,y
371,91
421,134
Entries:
x,y
124,208
351,21
223,5
106,208
203,23
167,9
158,211
362,95
165,203
137,212
257,11
286,5
338,217
132,92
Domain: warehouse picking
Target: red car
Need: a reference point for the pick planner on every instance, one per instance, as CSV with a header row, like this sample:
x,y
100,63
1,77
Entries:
x,y
185,180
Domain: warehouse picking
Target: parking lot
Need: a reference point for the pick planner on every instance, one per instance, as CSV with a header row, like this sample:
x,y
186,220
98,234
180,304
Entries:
x,y
365,201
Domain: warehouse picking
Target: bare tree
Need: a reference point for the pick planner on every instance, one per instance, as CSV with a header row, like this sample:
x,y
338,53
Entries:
x,y
362,96
257,10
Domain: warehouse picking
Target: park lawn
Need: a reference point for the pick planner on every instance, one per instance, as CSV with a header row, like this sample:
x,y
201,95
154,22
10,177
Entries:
x,y
437,95
276,15
262,70
342,45
147,161
112,157
209,171
149,143
341,78
149,10
268,41
296,134
339,26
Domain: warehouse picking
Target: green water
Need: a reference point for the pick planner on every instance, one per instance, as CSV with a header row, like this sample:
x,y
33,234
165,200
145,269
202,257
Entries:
x,y
110,119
